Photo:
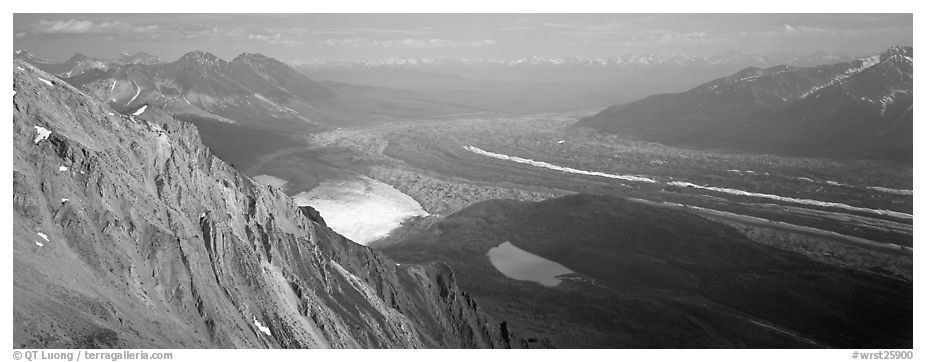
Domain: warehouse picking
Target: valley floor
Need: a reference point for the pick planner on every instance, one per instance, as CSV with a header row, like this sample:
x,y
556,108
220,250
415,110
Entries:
x,y
852,214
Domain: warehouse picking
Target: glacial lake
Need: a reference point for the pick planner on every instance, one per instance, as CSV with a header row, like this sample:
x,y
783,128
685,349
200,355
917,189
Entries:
x,y
360,208
521,265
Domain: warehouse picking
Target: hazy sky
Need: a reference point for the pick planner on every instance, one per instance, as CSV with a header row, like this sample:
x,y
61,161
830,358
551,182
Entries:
x,y
301,37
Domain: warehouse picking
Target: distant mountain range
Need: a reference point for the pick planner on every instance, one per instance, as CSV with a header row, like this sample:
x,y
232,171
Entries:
x,y
361,91
545,84
862,108
79,63
617,61
244,108
252,91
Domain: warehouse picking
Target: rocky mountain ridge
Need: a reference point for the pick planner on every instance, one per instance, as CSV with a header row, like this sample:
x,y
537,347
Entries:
x,y
129,233
251,90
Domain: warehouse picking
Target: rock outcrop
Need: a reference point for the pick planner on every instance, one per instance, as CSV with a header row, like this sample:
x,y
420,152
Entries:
x,y
129,233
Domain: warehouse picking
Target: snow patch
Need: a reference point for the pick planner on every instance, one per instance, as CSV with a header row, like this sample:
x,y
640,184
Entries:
x,y
42,134
561,142
46,81
542,164
260,97
39,244
866,63
64,200
261,327
62,168
140,110
885,101
836,80
42,235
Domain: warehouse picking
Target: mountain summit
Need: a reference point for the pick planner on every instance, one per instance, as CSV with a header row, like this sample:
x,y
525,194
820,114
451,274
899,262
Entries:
x,y
138,58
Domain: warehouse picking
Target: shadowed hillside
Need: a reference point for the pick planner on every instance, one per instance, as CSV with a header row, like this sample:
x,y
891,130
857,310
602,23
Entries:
x,y
654,277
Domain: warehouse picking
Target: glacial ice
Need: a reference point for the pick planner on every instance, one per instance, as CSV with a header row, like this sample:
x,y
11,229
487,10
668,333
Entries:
x,y
542,164
362,209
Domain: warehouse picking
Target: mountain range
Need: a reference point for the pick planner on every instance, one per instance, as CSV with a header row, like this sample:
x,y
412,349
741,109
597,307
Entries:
x,y
617,61
79,63
252,91
545,84
256,91
862,108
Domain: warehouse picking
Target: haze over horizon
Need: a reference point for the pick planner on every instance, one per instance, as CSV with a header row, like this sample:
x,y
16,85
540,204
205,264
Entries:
x,y
308,37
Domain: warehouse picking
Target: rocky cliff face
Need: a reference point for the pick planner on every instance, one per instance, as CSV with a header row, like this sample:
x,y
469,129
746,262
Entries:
x,y
128,232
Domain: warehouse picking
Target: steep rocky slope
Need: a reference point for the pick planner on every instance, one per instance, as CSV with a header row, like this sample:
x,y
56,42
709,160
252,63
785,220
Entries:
x,y
128,232
862,108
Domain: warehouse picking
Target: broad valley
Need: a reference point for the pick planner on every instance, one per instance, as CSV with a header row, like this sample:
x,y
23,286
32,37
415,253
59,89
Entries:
x,y
728,200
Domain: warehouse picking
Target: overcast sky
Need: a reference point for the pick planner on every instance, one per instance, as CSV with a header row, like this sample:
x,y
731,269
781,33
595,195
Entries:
x,y
485,36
